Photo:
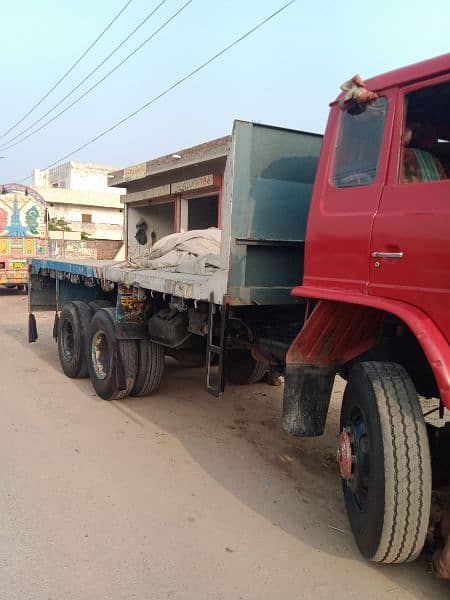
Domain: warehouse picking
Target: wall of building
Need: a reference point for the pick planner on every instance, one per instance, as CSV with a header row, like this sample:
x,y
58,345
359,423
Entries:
x,y
85,177
99,214
58,176
110,216
80,249
90,179
105,223
79,198
76,214
159,219
79,193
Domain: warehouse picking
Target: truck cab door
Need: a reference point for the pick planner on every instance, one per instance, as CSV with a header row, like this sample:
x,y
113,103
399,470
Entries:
x,y
347,193
410,247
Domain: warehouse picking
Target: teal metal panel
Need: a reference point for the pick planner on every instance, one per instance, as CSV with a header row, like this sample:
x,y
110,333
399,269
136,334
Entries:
x,y
278,210
273,178
68,292
271,257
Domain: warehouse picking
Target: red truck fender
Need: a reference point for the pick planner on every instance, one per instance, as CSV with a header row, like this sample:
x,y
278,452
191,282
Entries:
x,y
428,335
333,334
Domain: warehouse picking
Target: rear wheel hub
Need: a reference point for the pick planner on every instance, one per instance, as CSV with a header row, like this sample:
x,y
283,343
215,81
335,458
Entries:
x,y
344,455
354,457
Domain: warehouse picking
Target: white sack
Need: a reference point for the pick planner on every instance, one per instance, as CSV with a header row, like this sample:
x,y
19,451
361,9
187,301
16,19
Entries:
x,y
190,252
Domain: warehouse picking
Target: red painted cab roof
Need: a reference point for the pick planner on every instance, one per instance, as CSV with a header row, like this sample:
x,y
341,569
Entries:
x,y
421,70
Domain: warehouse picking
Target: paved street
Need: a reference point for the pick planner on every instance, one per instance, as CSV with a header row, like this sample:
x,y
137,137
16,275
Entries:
x,y
176,496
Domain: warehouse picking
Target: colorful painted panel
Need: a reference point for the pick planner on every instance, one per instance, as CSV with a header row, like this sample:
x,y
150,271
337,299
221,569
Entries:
x,y
23,231
28,247
21,216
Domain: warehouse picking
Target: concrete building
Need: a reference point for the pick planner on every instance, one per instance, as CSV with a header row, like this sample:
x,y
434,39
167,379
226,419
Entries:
x,y
79,193
80,176
97,214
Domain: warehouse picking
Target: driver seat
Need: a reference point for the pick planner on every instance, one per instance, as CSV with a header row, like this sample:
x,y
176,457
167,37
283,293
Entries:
x,y
419,165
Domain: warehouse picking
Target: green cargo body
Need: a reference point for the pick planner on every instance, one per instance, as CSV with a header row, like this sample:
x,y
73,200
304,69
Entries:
x,y
273,176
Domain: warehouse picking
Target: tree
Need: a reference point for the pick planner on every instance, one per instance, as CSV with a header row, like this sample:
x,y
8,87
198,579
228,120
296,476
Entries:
x,y
58,224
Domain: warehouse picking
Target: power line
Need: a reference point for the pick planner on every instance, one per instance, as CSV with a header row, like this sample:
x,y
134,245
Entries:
x,y
89,90
7,145
61,79
173,86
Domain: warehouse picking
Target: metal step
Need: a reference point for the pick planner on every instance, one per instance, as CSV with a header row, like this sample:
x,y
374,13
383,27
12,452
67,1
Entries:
x,y
215,383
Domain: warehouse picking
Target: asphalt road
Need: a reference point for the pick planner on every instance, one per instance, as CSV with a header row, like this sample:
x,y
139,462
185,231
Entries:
x,y
176,496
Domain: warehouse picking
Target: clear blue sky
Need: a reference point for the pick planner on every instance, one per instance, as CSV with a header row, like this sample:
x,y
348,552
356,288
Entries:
x,y
285,74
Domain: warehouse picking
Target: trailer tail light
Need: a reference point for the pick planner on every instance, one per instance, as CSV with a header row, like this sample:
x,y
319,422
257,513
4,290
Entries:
x,y
2,265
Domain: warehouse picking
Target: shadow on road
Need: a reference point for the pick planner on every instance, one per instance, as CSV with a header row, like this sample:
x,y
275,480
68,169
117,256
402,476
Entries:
x,y
297,487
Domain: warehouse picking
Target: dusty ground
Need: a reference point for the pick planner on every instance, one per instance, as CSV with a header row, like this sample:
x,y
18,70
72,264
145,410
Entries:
x,y
177,496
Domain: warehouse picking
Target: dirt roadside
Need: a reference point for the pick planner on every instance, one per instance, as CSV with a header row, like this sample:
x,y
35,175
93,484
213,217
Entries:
x,y
176,496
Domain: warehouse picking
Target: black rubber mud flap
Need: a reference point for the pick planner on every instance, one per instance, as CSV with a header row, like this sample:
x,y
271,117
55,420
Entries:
x,y
55,327
32,328
121,380
307,392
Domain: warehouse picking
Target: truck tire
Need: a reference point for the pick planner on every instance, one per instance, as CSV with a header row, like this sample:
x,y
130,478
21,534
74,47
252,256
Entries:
x,y
241,368
384,458
112,363
96,305
150,368
73,336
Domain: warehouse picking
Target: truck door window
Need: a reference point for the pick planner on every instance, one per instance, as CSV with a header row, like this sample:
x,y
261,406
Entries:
x,y
426,136
358,148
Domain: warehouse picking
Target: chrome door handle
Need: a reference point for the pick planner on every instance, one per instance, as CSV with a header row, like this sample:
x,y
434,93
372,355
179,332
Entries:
x,y
387,254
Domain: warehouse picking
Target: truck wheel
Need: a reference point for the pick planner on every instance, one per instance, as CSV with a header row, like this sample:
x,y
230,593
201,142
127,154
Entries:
x,y
105,351
150,368
384,459
73,335
242,368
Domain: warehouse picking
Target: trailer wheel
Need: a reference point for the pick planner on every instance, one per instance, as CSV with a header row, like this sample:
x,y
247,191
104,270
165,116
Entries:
x,y
112,362
73,335
242,368
384,459
150,368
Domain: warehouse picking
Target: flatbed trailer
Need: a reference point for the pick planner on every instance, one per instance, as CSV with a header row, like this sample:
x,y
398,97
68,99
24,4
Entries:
x,y
261,257
328,265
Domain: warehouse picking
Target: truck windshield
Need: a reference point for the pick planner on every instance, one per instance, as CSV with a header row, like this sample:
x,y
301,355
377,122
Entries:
x,y
359,143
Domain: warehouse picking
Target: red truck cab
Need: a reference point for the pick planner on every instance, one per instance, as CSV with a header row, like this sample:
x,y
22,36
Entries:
x,y
377,275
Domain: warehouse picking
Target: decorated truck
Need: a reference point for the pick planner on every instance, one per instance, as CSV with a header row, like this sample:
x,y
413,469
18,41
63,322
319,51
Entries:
x,y
332,258
23,232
